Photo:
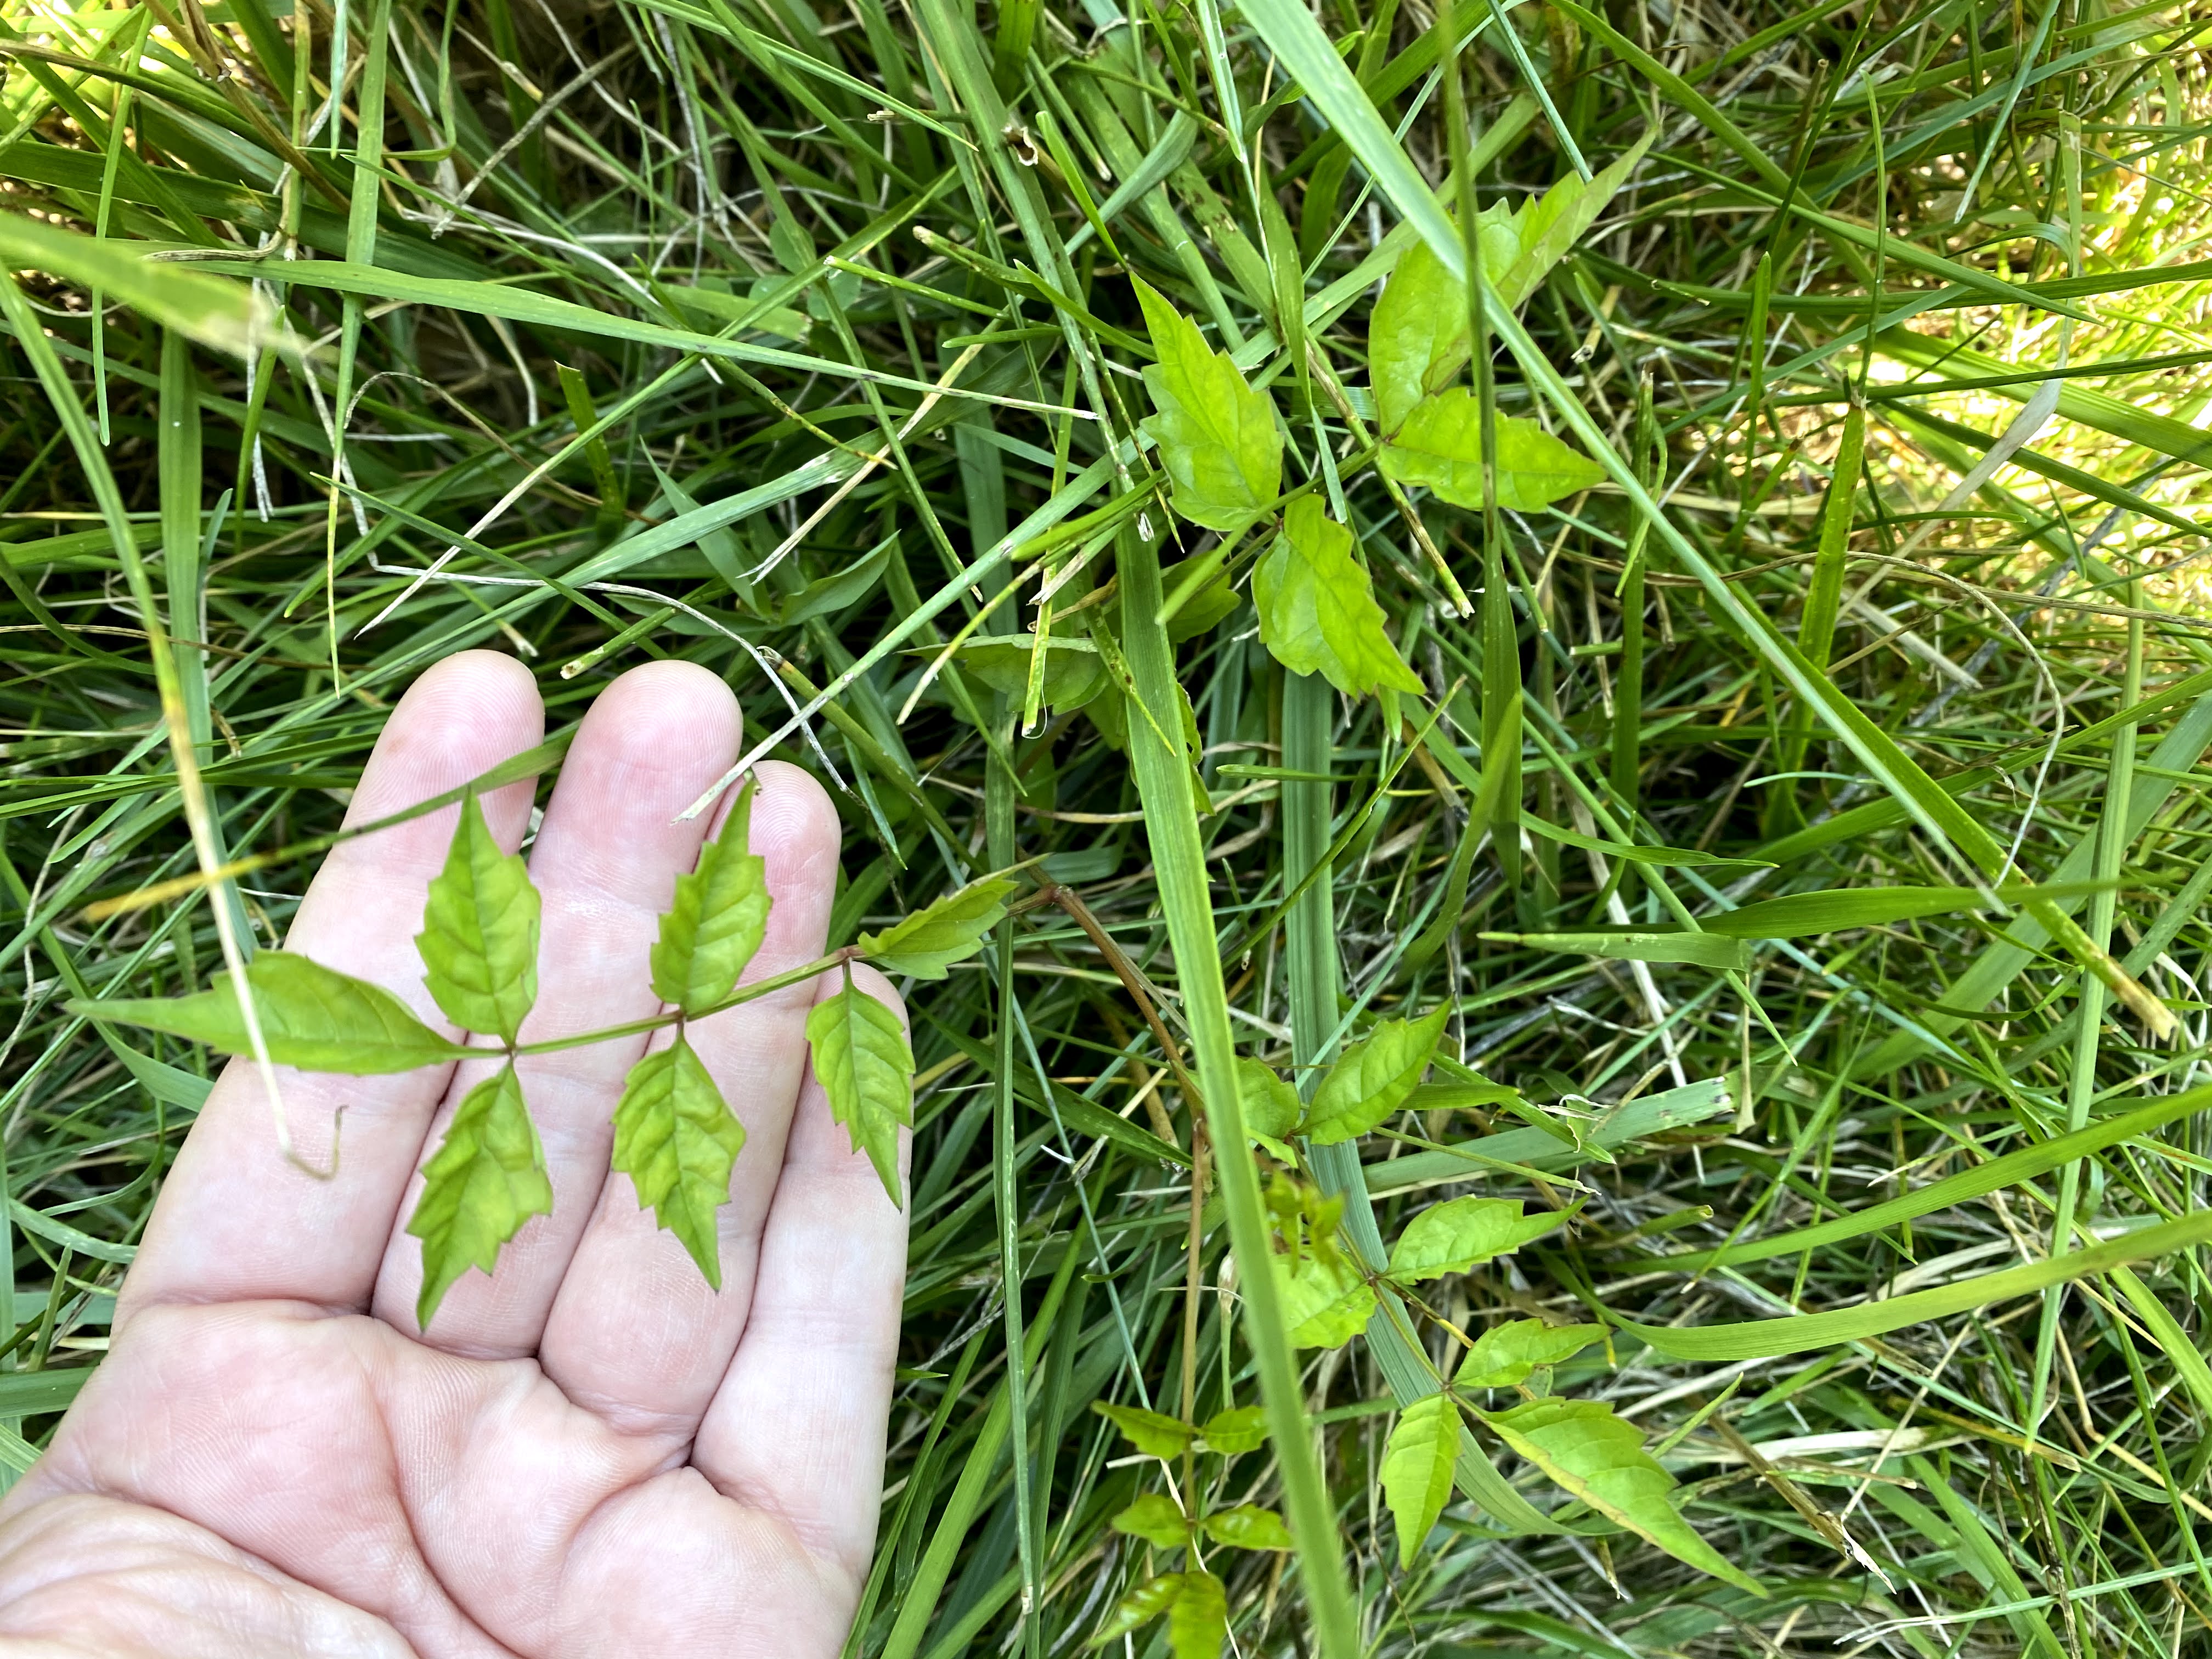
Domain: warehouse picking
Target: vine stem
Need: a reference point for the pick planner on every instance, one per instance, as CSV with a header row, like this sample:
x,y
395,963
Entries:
x,y
744,994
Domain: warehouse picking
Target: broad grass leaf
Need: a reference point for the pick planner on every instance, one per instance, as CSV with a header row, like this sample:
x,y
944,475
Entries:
x,y
677,1138
1217,437
1796,915
1248,1526
1152,1433
1325,1301
479,938
1440,446
312,1016
486,1179
1716,950
1417,1468
1373,1079
1198,1623
1239,1428
1157,1520
1139,1607
931,940
718,918
864,1064
1271,1107
1418,335
1510,1354
1317,608
214,310
1600,1460
1452,1237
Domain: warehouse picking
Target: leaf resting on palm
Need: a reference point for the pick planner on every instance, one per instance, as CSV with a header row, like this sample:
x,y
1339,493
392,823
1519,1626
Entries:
x,y
718,921
677,1138
479,938
487,1178
1317,608
864,1064
312,1016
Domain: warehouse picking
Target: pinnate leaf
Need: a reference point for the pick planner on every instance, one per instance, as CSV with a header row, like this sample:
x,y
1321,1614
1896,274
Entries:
x,y
718,921
1440,446
1152,1433
1317,608
479,938
486,1179
1248,1526
1373,1079
1600,1460
864,1064
1452,1237
1417,1468
1157,1520
1325,1301
1217,437
677,1138
929,941
312,1016
1239,1428
1510,1354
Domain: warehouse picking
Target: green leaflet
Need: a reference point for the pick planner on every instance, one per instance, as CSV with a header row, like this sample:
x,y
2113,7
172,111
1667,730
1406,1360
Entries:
x,y
212,310
1217,437
864,1064
1317,608
1452,1237
677,1138
1417,1468
1152,1433
486,1179
1763,1339
1239,1428
1717,950
1545,231
1509,1353
929,941
1373,1079
1141,1606
1417,335
312,1016
1440,446
715,924
1156,1519
1248,1527
1196,1606
1073,673
1325,1301
1271,1107
479,938
1598,1458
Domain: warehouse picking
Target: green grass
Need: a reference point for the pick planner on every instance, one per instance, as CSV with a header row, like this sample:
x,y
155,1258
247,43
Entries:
x,y
781,340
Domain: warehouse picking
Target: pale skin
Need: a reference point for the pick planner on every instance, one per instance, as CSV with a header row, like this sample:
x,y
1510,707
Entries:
x,y
592,1452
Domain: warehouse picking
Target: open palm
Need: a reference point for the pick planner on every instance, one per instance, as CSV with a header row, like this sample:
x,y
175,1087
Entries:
x,y
592,1452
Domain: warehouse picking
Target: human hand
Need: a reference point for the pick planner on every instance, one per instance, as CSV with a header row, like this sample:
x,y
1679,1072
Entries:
x,y
592,1452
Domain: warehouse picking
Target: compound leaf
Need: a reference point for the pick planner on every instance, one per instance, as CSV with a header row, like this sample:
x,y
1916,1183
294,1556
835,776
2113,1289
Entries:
x,y
1417,1468
1600,1460
1248,1526
1452,1237
864,1064
677,1138
1152,1433
1157,1520
1373,1079
929,941
312,1016
487,1178
1440,446
1510,1354
718,919
1317,608
479,938
1217,437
